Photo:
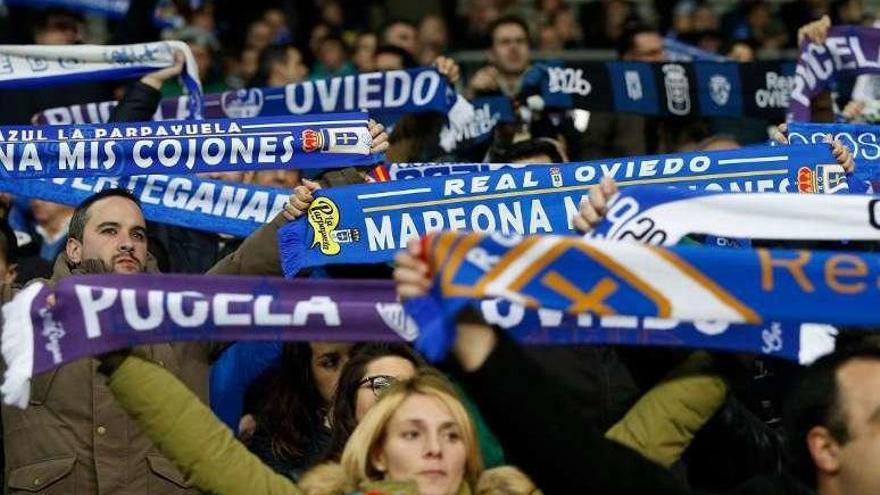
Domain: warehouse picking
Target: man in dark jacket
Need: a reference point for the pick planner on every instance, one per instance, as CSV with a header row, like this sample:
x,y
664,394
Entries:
x,y
73,437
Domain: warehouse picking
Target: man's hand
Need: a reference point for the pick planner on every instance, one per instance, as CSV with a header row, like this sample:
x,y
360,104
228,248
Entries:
x,y
484,80
299,201
593,209
157,78
815,32
380,137
412,275
449,68
841,153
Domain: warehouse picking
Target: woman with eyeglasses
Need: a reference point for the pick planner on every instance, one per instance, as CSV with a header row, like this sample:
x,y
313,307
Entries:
x,y
418,439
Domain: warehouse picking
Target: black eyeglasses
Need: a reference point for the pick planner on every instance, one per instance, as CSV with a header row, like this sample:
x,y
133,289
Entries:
x,y
378,383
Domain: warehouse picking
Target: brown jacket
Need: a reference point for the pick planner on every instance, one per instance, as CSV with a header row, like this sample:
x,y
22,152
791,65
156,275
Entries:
x,y
75,439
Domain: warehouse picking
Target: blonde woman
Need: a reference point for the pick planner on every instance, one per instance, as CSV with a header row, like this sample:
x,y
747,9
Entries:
x,y
417,440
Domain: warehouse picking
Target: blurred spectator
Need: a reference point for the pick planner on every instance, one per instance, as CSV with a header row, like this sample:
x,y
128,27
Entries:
x,y
755,20
278,66
475,27
52,220
365,52
203,18
799,12
259,35
8,251
741,51
641,43
433,38
277,22
605,21
390,57
58,27
286,179
331,13
564,22
549,39
317,35
332,59
205,48
403,34
509,57
848,12
243,69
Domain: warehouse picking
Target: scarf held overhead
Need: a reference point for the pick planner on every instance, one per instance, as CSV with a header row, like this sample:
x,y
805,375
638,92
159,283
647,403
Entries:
x,y
369,223
627,278
675,89
861,139
96,314
384,94
847,51
185,147
184,201
23,66
663,216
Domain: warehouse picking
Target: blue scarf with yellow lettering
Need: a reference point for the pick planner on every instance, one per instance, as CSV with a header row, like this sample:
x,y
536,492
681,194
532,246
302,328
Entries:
x,y
369,223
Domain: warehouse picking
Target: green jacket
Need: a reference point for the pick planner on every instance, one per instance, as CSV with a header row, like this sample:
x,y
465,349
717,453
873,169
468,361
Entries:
x,y
662,424
200,445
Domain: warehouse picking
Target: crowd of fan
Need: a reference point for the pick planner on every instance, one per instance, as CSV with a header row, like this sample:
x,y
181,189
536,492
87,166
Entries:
x,y
328,418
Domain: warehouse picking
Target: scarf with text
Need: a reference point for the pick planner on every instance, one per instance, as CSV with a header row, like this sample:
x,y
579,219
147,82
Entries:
x,y
96,314
675,89
184,201
386,95
847,51
663,216
24,66
609,278
369,223
185,147
861,139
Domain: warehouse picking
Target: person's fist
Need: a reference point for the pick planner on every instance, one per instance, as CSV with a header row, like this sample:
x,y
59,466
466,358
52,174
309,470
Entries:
x,y
449,68
815,32
299,201
379,143
841,154
412,275
157,78
484,80
593,208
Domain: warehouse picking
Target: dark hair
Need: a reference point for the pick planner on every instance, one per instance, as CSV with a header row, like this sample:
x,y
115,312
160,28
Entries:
x,y
8,241
81,213
815,401
627,40
268,58
406,59
523,149
292,407
343,418
504,20
391,22
42,20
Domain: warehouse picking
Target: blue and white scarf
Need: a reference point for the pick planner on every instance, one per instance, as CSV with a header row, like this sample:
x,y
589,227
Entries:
x,y
608,278
23,66
861,139
369,223
672,89
678,51
185,147
111,9
386,95
184,201
663,216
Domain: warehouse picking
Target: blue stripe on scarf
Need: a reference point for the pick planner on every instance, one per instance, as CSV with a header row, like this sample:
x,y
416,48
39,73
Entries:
x,y
185,147
382,92
611,278
672,89
863,140
368,223
211,206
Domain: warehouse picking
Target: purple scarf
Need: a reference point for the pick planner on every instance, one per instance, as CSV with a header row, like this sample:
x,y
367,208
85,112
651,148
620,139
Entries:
x,y
848,51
